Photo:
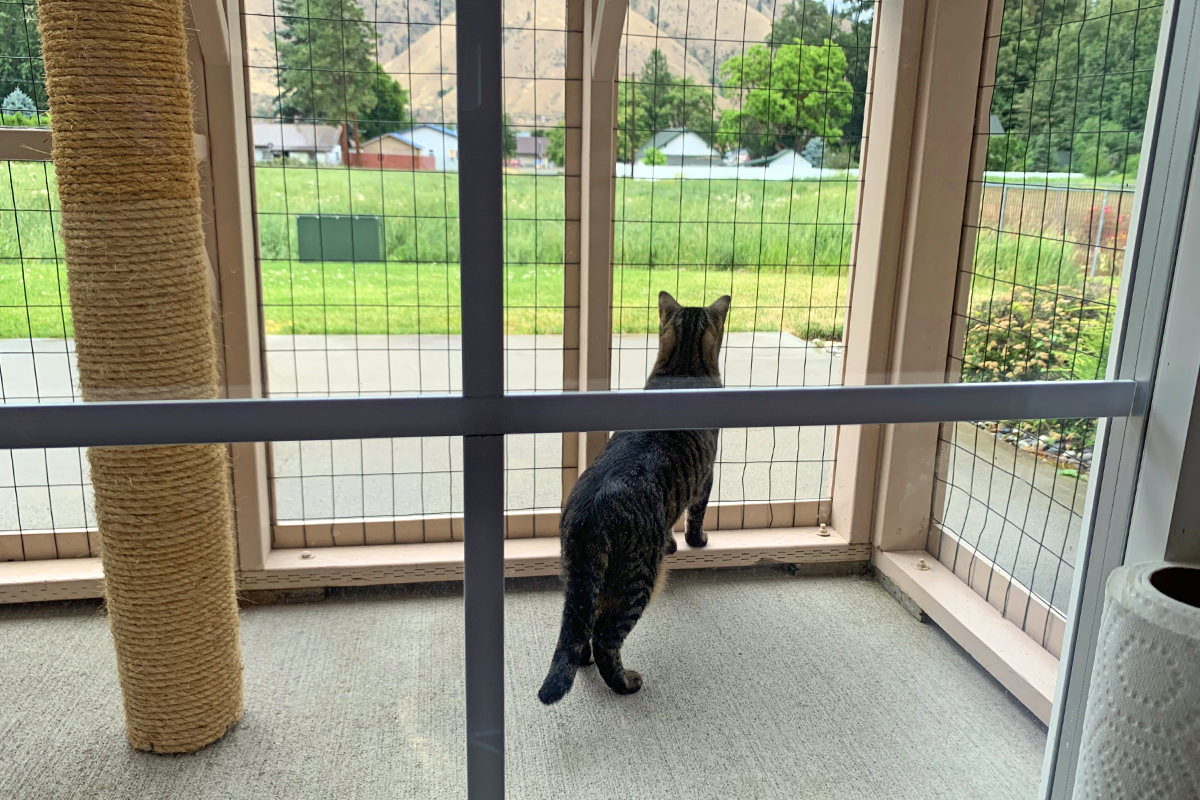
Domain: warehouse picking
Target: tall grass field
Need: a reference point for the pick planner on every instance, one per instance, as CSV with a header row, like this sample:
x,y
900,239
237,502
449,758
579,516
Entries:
x,y
782,249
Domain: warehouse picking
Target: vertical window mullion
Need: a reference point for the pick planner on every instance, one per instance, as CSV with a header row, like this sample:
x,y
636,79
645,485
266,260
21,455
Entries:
x,y
481,246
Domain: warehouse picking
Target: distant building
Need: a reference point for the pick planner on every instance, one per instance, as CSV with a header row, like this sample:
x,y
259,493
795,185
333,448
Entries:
x,y
436,141
307,142
739,156
787,163
531,150
681,147
393,151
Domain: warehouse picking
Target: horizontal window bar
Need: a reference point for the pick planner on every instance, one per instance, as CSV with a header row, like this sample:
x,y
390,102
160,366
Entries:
x,y
197,421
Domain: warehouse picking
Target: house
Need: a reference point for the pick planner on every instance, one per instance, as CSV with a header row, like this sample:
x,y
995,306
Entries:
x,y
785,164
531,150
392,151
682,147
738,156
307,142
436,141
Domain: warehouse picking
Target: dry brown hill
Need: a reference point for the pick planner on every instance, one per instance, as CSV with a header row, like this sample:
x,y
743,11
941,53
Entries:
x,y
694,35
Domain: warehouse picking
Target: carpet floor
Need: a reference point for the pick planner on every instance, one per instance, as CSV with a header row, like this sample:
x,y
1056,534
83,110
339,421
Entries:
x,y
758,684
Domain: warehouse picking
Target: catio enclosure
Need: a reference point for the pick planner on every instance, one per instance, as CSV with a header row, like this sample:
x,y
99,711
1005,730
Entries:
x,y
893,192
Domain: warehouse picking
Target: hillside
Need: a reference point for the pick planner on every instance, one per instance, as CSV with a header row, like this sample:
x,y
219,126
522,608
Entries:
x,y
420,52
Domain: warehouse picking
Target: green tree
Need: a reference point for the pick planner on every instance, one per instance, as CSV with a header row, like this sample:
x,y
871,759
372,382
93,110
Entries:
x,y
508,140
854,37
1028,37
327,68
557,146
17,102
629,136
655,100
650,89
689,105
806,21
654,157
20,52
786,97
1072,82
390,113
848,25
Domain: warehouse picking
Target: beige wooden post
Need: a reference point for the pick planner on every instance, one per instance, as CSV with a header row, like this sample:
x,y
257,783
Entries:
x,y
572,226
888,141
927,79
966,255
229,210
603,22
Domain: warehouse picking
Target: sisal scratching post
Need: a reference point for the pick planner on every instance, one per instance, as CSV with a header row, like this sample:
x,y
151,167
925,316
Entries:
x,y
120,99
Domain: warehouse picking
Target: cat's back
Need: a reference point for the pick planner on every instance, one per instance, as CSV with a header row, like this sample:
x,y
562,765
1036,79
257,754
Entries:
x,y
638,465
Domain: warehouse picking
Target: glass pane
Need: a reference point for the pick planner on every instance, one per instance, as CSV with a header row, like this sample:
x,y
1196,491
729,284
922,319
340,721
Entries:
x,y
1069,104
738,143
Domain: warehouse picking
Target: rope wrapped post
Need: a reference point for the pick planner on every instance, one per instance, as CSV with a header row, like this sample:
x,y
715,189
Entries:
x,y
121,106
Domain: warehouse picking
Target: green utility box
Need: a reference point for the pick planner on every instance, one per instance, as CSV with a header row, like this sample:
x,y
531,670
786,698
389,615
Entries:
x,y
340,237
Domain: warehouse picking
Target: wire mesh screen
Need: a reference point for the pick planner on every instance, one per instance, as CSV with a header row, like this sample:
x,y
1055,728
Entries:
x,y
1040,281
356,161
534,85
45,495
738,137
22,74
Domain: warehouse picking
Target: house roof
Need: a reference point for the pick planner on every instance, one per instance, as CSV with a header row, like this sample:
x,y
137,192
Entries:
x,y
397,136
532,146
431,126
296,137
761,160
663,138
659,140
786,152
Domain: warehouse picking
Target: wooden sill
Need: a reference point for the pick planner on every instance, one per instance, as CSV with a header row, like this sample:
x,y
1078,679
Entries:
x,y
442,561
58,579
1018,662
64,579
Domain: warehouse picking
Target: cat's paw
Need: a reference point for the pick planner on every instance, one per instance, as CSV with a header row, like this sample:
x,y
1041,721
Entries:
x,y
697,538
672,546
628,683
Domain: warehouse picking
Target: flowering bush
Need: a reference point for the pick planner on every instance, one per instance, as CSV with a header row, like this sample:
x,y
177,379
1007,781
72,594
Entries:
x,y
1039,335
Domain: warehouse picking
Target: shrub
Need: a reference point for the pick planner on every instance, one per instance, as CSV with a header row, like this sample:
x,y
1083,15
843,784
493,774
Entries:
x,y
1040,335
654,157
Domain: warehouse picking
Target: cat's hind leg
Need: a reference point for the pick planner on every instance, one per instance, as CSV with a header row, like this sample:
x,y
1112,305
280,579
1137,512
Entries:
x,y
696,537
619,612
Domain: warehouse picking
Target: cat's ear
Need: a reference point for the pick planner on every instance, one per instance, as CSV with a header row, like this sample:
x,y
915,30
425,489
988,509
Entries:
x,y
720,307
666,305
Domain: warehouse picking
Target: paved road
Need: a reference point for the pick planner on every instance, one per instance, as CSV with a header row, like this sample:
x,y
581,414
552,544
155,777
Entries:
x,y
1014,506
1020,511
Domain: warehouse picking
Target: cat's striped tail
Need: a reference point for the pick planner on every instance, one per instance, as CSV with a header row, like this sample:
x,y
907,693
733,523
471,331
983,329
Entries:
x,y
579,614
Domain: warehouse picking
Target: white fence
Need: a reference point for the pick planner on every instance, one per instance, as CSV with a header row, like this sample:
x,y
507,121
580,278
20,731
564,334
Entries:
x,y
787,167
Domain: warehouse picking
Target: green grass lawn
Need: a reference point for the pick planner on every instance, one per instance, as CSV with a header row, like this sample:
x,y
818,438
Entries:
x,y
308,298
781,249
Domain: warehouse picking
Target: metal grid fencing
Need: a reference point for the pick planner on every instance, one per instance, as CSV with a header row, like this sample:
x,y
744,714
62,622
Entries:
x,y
739,128
534,104
354,121
45,494
1039,282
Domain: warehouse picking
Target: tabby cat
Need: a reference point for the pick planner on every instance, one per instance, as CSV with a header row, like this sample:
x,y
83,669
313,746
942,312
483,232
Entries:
x,y
616,525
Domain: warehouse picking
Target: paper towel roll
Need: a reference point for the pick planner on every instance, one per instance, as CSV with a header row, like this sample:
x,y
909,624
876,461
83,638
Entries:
x,y
1141,734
